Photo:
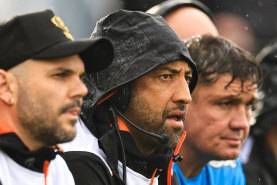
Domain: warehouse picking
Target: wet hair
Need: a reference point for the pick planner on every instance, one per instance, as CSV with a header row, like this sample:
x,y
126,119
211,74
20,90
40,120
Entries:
x,y
216,56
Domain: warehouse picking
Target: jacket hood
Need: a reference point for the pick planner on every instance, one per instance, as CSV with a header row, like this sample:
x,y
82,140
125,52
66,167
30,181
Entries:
x,y
142,42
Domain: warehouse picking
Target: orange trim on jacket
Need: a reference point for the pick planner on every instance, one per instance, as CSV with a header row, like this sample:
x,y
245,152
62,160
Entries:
x,y
5,127
45,170
107,97
176,151
122,125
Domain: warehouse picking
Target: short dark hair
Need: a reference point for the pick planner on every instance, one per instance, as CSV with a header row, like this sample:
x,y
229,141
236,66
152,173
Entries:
x,y
215,56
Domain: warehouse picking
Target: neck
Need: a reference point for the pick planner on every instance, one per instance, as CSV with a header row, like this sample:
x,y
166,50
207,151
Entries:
x,y
8,124
271,138
192,163
143,141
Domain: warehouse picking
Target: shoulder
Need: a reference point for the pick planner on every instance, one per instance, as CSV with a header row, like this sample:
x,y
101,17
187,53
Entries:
x,y
88,168
226,171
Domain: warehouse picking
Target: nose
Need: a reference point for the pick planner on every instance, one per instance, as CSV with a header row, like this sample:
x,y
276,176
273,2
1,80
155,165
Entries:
x,y
181,93
241,118
79,89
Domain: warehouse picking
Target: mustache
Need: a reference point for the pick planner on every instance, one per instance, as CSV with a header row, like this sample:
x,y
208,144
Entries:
x,y
74,104
181,107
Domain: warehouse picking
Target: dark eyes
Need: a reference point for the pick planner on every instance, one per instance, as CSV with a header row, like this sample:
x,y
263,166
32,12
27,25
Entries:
x,y
188,79
65,75
61,75
168,76
165,76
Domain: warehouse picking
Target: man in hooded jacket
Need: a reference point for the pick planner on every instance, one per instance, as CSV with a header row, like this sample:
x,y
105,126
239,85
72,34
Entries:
x,y
41,91
132,119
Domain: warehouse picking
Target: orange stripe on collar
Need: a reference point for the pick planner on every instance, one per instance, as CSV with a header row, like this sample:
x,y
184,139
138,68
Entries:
x,y
122,125
5,127
104,99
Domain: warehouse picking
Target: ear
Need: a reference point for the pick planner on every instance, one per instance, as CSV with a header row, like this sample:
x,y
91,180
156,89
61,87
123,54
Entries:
x,y
7,87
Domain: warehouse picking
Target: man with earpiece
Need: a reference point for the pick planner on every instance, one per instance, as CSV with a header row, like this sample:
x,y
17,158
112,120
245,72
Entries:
x,y
132,121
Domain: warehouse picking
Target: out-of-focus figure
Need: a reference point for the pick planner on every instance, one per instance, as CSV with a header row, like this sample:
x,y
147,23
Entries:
x,y
261,165
186,17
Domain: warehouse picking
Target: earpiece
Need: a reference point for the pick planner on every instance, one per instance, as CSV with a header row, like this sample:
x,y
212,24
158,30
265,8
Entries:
x,y
121,98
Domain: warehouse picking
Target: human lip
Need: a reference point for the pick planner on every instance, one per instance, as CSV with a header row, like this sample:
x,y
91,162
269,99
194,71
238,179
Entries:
x,y
73,112
233,141
175,118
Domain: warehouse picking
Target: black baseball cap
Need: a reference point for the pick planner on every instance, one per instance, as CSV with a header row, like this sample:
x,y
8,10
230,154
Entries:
x,y
43,35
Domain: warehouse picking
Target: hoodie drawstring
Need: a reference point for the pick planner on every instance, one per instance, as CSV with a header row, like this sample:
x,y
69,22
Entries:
x,y
174,157
45,170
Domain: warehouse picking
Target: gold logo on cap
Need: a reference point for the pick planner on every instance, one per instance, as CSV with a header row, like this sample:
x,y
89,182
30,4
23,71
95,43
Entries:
x,y
57,21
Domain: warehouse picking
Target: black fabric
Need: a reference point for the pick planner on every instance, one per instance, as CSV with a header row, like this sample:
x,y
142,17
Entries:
x,y
262,166
33,160
108,143
42,35
89,169
144,164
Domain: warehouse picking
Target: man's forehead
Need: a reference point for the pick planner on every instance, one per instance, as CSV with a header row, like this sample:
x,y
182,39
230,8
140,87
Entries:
x,y
237,86
175,65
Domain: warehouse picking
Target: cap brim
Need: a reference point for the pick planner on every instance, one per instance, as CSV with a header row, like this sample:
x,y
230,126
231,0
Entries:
x,y
96,53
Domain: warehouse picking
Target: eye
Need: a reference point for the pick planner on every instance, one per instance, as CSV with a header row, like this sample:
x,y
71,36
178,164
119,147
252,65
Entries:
x,y
188,79
60,75
225,104
82,77
250,106
165,77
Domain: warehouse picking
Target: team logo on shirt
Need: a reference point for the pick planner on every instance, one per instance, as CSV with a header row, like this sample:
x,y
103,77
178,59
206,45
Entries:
x,y
220,164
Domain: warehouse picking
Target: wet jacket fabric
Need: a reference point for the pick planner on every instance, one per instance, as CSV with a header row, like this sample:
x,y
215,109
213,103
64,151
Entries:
x,y
23,167
261,166
142,42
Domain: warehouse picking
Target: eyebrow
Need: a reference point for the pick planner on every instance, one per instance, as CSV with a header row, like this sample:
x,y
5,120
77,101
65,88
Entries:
x,y
67,70
64,69
236,99
172,70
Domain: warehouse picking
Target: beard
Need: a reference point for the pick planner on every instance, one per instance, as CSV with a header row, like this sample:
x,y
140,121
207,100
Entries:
x,y
152,120
40,120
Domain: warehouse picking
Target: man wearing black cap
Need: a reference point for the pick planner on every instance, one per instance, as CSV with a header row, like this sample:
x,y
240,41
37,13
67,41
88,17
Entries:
x,y
41,92
134,113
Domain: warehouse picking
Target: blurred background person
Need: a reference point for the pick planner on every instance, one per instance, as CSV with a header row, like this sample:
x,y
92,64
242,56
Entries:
x,y
254,21
261,148
187,18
